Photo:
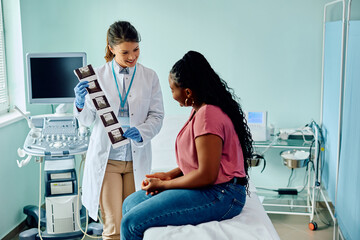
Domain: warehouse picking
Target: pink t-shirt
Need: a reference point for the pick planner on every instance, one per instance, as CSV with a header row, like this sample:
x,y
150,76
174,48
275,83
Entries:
x,y
210,119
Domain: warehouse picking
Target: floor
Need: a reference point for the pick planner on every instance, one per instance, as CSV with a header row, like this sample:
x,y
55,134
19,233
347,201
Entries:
x,y
295,227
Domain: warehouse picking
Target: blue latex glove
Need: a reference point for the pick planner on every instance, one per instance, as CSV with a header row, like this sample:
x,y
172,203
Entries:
x,y
134,134
80,93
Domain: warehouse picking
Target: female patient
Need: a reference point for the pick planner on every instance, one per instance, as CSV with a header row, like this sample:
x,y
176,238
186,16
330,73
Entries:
x,y
211,178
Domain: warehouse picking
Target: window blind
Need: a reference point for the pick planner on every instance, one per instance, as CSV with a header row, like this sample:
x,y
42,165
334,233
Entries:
x,y
4,98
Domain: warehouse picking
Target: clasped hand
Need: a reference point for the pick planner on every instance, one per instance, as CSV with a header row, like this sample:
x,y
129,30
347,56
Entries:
x,y
155,183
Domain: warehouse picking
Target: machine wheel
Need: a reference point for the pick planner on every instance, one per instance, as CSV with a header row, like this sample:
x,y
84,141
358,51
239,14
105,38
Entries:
x,y
313,226
31,221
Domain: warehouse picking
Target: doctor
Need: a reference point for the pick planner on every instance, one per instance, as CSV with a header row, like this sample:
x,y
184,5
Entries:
x,y
134,93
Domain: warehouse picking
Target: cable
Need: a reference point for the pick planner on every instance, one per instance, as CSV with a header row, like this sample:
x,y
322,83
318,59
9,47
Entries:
x,y
317,163
257,157
320,141
264,165
317,181
292,171
267,189
39,221
305,181
310,148
281,191
313,124
261,156
272,143
303,135
78,210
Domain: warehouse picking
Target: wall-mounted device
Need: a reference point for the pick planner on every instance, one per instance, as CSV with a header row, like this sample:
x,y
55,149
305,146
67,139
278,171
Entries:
x,y
257,122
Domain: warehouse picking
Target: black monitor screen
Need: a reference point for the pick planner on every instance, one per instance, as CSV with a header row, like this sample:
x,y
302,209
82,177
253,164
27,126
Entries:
x,y
51,78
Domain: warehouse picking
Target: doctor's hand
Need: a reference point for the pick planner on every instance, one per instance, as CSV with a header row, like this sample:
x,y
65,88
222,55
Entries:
x,y
152,186
80,93
134,134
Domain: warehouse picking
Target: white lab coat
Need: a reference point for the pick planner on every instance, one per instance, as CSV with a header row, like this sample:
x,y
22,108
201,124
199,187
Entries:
x,y
146,112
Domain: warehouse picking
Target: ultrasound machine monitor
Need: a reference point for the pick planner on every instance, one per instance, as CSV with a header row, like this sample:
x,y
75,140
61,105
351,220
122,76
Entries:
x,y
51,78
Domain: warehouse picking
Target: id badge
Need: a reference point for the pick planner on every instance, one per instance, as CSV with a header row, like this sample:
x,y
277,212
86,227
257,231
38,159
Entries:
x,y
125,122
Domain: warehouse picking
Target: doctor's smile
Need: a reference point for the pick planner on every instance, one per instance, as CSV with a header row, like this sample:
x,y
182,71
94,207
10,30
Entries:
x,y
126,53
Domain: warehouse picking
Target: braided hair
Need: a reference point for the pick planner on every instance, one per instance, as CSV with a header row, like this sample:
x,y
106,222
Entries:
x,y
194,71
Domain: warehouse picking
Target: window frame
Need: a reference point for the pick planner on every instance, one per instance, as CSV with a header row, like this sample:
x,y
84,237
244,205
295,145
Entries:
x,y
4,91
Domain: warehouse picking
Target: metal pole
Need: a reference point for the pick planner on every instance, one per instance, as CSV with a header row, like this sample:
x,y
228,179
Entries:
x,y
341,91
323,54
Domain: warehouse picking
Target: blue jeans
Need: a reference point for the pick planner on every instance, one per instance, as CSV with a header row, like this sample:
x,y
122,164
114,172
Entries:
x,y
179,207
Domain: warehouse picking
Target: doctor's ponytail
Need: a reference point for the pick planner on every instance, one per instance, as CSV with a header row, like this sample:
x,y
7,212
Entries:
x,y
108,54
119,32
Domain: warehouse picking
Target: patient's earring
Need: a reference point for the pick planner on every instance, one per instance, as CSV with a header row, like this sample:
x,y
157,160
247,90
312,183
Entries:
x,y
186,102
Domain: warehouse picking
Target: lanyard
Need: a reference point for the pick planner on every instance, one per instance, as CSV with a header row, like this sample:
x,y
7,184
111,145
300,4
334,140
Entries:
x,y
122,102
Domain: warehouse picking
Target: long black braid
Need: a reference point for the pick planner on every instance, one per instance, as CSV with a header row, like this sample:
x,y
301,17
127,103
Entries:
x,y
194,71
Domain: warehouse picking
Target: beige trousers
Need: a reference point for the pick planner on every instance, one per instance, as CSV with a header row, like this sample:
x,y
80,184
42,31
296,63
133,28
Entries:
x,y
117,185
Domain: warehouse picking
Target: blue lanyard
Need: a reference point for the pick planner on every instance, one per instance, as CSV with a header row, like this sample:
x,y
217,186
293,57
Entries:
x,y
122,102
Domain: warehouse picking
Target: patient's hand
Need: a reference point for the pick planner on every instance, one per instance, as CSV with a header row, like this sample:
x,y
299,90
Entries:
x,y
144,183
152,185
160,175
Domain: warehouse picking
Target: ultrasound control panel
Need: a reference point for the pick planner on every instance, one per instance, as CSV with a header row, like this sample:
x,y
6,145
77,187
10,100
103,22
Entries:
x,y
56,136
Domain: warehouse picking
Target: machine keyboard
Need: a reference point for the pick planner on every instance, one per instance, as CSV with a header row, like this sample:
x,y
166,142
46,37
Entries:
x,y
59,136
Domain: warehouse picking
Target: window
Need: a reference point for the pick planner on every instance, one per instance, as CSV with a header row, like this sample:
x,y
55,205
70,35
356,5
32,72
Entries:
x,y
4,98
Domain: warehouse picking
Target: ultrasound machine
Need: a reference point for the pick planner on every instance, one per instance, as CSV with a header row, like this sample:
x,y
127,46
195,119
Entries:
x,y
54,140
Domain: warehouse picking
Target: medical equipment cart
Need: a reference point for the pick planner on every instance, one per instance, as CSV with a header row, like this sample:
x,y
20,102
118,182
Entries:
x,y
288,200
55,140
